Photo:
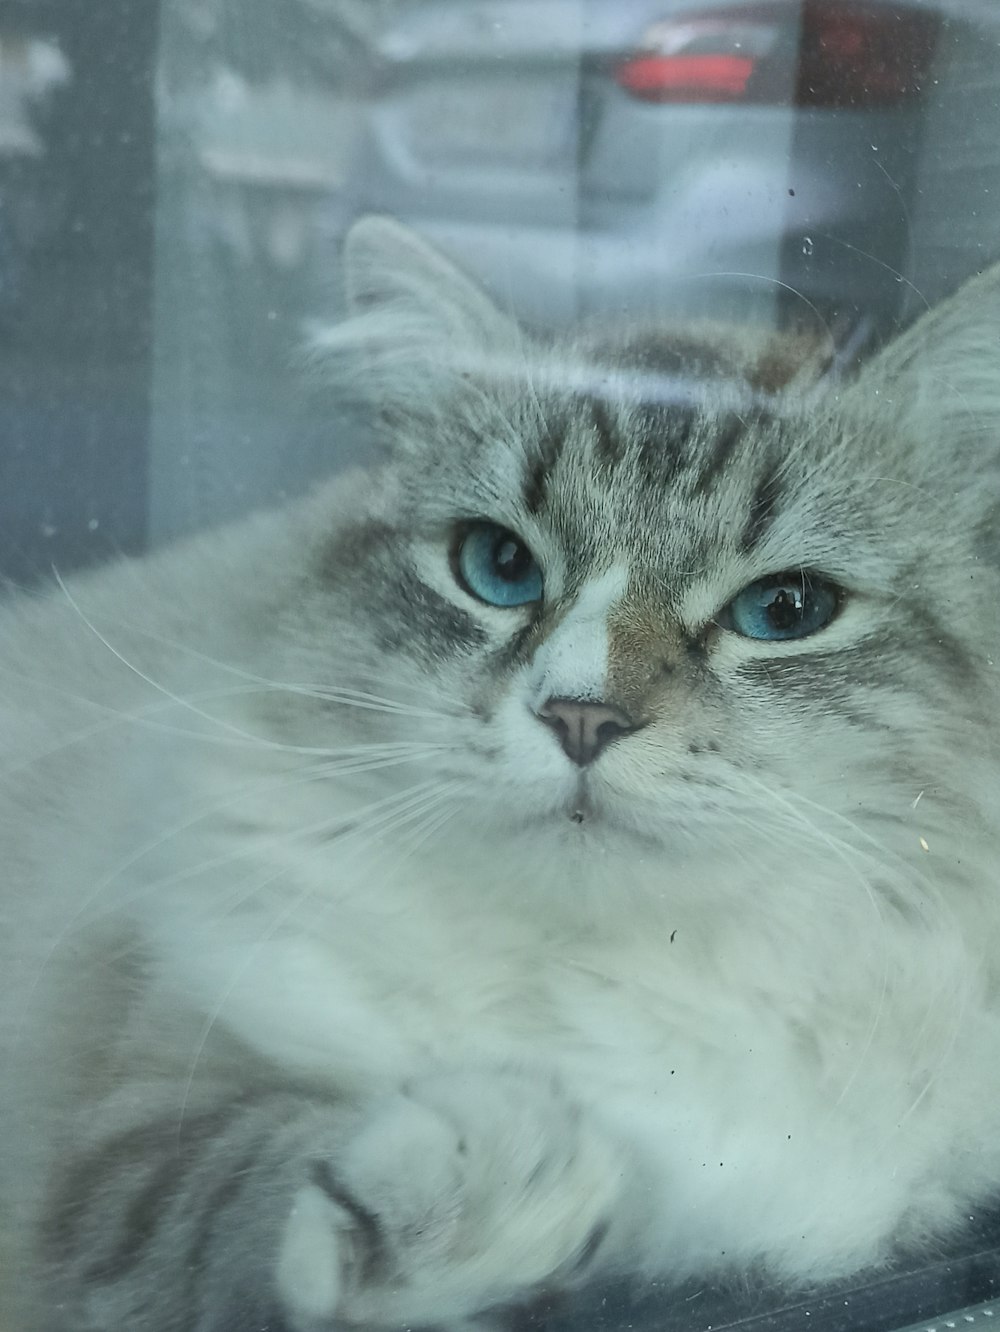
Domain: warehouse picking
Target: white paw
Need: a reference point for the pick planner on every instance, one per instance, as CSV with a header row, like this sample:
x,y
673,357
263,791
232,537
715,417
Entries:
x,y
468,1192
311,1257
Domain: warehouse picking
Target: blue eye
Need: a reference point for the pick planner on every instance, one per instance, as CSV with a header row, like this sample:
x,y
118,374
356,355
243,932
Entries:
x,y
496,566
783,606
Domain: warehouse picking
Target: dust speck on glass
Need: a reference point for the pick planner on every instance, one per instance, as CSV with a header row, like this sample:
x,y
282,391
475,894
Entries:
x,y
499,759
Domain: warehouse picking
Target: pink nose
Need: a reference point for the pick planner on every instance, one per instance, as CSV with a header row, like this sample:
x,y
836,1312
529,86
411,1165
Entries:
x,y
584,727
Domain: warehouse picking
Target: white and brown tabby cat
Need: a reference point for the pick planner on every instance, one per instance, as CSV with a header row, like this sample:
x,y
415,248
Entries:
x,y
567,850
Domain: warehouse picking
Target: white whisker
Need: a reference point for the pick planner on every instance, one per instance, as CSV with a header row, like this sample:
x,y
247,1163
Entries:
x,y
404,810
846,855
247,849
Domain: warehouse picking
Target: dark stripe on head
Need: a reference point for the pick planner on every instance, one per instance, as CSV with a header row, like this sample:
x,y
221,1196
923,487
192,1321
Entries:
x,y
536,475
524,641
818,678
538,468
661,436
763,506
728,433
841,682
609,443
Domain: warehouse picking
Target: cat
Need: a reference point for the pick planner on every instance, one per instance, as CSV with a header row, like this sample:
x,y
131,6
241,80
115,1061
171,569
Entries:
x,y
562,852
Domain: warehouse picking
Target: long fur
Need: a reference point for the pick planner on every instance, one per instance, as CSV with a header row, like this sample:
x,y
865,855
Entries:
x,y
330,992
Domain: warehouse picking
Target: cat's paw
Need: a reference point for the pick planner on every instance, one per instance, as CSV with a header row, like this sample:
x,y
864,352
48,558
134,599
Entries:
x,y
466,1193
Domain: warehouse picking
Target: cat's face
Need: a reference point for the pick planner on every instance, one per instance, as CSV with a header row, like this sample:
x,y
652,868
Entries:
x,y
721,626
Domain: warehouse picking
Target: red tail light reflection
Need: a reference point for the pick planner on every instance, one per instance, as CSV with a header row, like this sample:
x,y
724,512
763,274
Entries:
x,y
823,53
686,78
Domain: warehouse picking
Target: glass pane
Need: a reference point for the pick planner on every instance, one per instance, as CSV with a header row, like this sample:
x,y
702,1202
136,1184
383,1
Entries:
x,y
498,510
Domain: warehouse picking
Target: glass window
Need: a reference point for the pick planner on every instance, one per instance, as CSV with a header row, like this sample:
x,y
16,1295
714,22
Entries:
x,y
739,222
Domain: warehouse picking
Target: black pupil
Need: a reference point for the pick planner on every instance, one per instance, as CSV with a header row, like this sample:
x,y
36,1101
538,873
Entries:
x,y
511,558
785,611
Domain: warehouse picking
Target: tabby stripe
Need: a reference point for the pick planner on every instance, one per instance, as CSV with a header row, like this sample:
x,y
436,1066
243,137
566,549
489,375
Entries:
x,y
413,617
843,672
374,1260
190,1208
730,432
763,506
949,653
122,1155
139,1225
212,1209
662,438
534,484
538,468
171,1188
609,445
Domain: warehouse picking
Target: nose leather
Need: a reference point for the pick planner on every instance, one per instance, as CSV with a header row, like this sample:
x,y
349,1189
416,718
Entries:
x,y
584,727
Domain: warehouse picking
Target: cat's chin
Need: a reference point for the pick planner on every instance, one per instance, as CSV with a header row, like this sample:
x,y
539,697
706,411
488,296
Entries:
x,y
579,816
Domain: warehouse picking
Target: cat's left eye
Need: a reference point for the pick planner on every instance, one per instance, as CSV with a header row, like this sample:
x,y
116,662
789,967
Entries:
x,y
494,565
781,607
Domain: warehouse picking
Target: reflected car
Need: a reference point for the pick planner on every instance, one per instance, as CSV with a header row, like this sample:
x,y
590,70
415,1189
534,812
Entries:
x,y
752,160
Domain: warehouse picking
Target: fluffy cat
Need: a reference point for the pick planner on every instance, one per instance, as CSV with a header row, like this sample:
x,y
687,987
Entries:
x,y
564,851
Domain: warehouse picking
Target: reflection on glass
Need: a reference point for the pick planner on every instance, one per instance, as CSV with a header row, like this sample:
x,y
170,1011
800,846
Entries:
x,y
517,850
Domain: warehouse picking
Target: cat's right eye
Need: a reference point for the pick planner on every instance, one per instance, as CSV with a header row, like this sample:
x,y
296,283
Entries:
x,y
494,565
781,607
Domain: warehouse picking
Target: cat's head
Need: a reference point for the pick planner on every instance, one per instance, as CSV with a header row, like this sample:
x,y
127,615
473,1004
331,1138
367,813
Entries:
x,y
659,593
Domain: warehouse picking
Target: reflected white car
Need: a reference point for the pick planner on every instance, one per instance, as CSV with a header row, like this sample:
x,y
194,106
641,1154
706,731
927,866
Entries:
x,y
785,159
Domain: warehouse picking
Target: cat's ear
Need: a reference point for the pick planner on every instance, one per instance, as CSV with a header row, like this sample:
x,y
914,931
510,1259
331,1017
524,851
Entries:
x,y
417,327
941,377
389,268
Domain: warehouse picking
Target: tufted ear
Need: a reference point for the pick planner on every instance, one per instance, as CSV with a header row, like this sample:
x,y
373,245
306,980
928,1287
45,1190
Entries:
x,y
388,267
940,379
416,326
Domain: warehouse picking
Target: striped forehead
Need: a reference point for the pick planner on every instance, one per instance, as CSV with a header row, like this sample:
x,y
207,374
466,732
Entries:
x,y
642,501
612,471
593,439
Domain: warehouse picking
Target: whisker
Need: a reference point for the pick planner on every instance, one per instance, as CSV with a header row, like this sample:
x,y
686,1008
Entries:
x,y
415,806
386,807
358,842
883,854
843,853
265,682
252,848
356,698
153,684
145,717
310,776
344,696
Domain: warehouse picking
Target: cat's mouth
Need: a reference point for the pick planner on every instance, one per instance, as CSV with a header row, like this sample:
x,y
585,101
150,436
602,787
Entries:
x,y
587,818
578,807
586,809
581,808
600,818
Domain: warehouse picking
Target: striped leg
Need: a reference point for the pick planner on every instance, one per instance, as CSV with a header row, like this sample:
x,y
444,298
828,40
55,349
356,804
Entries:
x,y
277,1211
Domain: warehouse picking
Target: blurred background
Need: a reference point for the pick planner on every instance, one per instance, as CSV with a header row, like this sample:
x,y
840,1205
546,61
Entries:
x,y
176,177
